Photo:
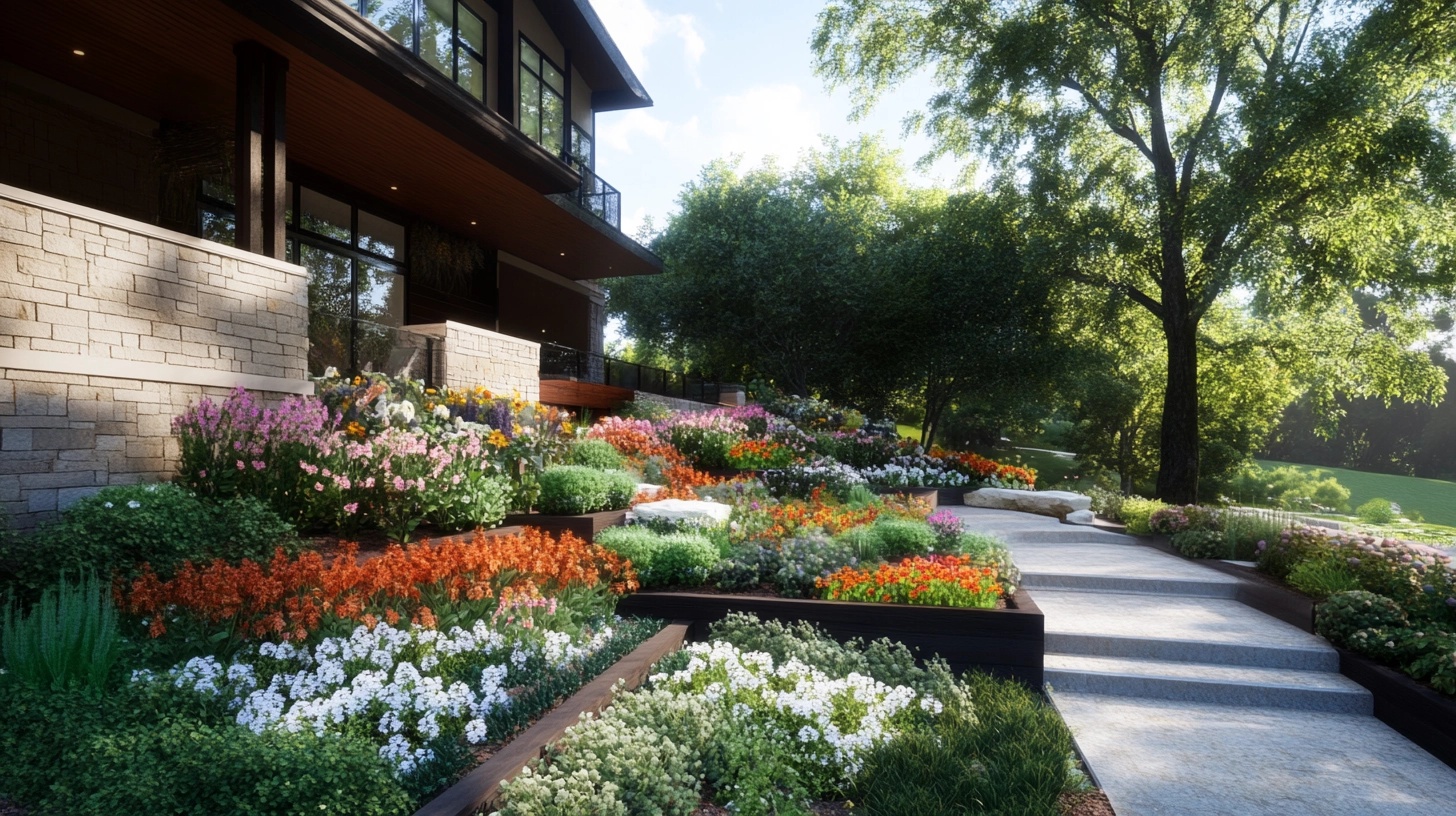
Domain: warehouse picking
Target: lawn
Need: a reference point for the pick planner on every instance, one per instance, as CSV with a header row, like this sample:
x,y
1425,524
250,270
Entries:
x,y
1434,499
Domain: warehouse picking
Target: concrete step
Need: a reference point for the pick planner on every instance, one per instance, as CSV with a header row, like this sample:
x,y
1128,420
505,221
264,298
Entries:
x,y
1059,534
1230,654
1121,585
1208,683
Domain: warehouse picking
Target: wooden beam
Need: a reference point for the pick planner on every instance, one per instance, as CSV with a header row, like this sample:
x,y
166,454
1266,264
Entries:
x,y
260,157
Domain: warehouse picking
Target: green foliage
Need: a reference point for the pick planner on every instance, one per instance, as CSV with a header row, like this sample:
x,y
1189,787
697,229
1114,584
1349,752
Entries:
x,y
594,453
903,537
804,558
1200,544
868,544
575,489
1280,555
1346,613
1322,577
1291,488
119,528
745,567
1246,529
644,409
1376,511
69,639
1136,512
479,500
1007,754
662,559
990,551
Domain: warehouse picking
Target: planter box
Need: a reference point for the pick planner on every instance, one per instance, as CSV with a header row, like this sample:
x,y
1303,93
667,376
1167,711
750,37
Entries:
x,y
929,495
1004,642
481,787
953,495
585,526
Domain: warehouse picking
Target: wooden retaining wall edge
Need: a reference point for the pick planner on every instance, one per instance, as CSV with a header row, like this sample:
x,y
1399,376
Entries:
x,y
481,787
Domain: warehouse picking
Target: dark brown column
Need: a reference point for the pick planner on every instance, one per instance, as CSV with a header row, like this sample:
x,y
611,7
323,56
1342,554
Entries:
x,y
508,62
260,159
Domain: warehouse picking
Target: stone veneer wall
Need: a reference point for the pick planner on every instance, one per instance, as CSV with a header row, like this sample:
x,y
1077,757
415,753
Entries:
x,y
674,403
505,365
108,328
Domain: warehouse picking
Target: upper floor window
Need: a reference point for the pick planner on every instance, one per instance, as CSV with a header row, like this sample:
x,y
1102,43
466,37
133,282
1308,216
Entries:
x,y
447,34
543,100
581,154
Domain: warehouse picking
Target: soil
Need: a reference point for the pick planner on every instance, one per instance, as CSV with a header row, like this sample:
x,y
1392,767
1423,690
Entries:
x,y
1091,803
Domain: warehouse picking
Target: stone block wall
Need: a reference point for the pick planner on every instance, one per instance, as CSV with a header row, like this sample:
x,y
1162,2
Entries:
x,y
110,327
506,365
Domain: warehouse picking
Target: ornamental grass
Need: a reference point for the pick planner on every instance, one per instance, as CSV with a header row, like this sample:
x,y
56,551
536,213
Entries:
x,y
289,598
937,580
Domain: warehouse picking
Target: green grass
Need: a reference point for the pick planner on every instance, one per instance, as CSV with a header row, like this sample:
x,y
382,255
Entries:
x,y
1050,469
1434,499
909,431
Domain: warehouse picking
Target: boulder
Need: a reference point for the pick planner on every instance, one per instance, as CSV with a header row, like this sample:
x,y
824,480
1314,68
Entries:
x,y
681,511
1042,502
1081,517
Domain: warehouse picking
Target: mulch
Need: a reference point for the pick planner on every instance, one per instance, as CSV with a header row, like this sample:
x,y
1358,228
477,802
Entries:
x,y
1091,803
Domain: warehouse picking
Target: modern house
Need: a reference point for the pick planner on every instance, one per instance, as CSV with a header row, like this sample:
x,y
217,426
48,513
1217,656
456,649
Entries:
x,y
200,194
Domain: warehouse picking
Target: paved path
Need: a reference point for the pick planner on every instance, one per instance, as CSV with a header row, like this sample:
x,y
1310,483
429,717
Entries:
x,y
1185,701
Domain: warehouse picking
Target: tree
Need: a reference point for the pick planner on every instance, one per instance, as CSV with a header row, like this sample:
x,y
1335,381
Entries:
x,y
766,272
1174,150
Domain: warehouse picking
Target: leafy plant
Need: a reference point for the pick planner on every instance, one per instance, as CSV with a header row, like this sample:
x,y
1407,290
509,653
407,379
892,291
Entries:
x,y
1322,577
662,559
68,640
576,489
1136,512
1376,511
868,544
804,559
594,453
903,537
1345,613
1200,543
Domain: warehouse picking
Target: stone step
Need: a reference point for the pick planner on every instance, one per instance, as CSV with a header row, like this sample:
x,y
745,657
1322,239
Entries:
x,y
1058,534
1122,585
1230,654
1208,683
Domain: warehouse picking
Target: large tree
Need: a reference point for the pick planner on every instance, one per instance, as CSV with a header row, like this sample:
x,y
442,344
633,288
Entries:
x,y
1174,150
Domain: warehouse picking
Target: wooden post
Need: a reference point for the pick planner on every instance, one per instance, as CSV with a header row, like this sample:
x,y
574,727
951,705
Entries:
x,y
260,159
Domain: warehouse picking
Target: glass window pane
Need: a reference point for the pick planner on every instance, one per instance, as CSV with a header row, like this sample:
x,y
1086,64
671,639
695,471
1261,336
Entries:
x,y
381,295
330,281
472,75
472,29
581,146
531,106
326,216
218,188
552,77
219,226
288,208
553,120
437,46
380,236
396,17
529,57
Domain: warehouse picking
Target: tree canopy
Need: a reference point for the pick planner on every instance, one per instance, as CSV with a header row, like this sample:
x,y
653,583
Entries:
x,y
1174,151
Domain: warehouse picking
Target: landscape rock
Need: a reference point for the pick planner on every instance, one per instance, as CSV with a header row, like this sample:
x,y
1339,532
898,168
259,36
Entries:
x,y
1042,502
702,513
1081,517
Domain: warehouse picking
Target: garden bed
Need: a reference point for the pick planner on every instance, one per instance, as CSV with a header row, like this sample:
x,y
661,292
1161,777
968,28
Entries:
x,y
481,786
1007,642
584,526
930,495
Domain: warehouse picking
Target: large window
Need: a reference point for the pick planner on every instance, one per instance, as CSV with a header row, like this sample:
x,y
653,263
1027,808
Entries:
x,y
582,154
447,34
355,261
543,100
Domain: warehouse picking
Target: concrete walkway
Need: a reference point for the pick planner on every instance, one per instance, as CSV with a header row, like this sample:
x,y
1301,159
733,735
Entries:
x,y
1185,701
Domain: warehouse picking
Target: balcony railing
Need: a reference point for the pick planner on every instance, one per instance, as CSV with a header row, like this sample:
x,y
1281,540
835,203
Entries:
x,y
597,197
563,362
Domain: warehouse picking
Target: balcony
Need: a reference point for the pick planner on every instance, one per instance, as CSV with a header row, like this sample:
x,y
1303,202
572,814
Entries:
x,y
566,363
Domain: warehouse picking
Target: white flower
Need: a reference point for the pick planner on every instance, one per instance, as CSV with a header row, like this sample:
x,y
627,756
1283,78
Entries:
x,y
133,504
331,373
108,505
441,412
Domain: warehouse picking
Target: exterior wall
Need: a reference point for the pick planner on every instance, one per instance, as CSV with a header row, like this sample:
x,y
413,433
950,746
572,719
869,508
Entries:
x,y
61,142
532,23
581,109
108,328
471,356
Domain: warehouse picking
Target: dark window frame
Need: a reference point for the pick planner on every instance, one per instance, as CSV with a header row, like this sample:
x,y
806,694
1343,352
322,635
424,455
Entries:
x,y
417,17
538,137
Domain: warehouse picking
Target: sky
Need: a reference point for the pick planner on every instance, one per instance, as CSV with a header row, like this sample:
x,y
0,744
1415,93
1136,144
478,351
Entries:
x,y
729,77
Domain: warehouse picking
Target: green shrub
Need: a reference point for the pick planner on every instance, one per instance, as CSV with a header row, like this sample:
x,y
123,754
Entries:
x,y
1009,753
68,640
1291,488
1106,501
989,551
802,559
1279,555
662,560
745,567
1136,511
1244,530
119,528
866,541
479,500
1322,577
1376,511
1200,543
860,496
570,490
1346,613
594,453
904,537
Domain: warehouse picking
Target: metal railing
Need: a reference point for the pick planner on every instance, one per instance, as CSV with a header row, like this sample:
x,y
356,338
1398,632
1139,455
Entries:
x,y
565,363
597,197
354,346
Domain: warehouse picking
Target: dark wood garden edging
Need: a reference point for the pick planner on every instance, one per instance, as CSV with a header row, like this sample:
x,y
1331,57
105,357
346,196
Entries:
x,y
929,495
480,788
585,526
1421,714
1005,642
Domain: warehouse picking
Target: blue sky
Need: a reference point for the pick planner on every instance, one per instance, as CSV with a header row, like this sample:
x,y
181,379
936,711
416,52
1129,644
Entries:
x,y
729,76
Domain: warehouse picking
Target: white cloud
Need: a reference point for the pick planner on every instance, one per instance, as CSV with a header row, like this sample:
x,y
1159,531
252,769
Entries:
x,y
621,131
765,120
636,27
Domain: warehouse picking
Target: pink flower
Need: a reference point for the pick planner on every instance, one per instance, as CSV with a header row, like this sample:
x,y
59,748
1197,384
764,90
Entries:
x,y
369,483
351,508
318,486
202,474
241,466
257,465
399,484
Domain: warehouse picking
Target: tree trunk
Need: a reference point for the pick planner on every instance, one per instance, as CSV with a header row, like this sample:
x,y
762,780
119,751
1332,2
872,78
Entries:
x,y
1178,456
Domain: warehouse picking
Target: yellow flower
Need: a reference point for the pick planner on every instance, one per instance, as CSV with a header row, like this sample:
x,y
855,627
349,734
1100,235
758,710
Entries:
x,y
430,391
498,439
567,427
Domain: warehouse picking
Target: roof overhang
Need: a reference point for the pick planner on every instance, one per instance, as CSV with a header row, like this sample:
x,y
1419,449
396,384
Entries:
x,y
594,53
